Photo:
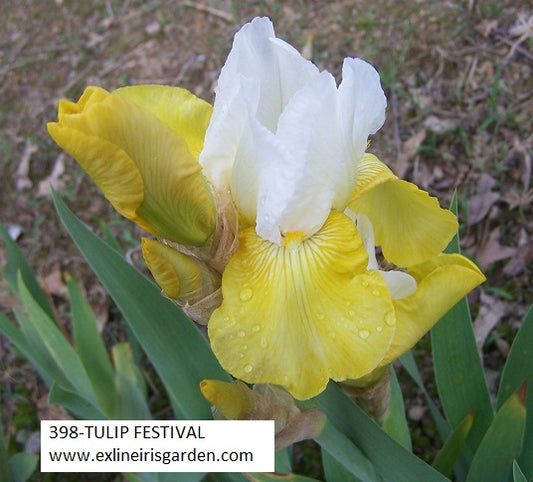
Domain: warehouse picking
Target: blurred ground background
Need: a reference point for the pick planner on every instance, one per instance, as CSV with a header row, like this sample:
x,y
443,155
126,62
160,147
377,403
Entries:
x,y
457,74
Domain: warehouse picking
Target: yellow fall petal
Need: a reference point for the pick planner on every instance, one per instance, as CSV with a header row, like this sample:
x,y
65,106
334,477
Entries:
x,y
408,223
442,282
142,166
180,276
299,314
370,172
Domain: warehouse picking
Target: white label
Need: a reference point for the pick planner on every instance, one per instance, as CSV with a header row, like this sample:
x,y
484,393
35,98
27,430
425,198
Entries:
x,y
157,446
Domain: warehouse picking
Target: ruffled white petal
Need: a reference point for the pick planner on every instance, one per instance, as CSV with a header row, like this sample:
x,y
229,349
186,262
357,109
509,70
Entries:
x,y
225,131
283,138
260,76
245,177
277,67
300,171
362,103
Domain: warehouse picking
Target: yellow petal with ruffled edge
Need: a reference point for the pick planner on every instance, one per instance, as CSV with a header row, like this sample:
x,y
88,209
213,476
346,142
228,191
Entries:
x,y
298,314
408,223
187,115
442,282
108,165
142,166
180,276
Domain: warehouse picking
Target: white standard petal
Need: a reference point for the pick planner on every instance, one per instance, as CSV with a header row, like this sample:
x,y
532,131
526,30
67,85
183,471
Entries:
x,y
225,132
276,66
258,79
245,175
362,103
301,164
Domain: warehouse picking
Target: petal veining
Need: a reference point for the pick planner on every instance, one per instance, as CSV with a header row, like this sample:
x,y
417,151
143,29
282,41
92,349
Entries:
x,y
181,277
187,115
299,314
141,164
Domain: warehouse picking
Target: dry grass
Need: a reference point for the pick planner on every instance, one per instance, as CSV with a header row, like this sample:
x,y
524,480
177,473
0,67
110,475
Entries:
x,y
458,79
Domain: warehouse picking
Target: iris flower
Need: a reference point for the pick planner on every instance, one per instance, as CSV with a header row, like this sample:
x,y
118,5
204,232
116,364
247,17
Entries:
x,y
303,296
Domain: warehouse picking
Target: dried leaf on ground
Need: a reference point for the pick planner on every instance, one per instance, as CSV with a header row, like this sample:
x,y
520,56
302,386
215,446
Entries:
x,y
490,313
54,283
523,26
486,26
492,251
524,151
44,189
23,180
439,125
480,203
409,149
520,261
516,198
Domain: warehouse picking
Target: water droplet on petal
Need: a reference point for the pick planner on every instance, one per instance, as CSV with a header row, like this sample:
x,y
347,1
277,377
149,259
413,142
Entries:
x,y
241,355
241,333
246,294
375,292
248,368
285,379
320,316
390,319
379,329
263,343
332,334
365,284
351,312
256,328
364,334
226,318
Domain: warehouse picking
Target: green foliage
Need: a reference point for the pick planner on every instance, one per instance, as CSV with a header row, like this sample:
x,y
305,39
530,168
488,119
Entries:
x,y
341,455
518,475
399,464
395,422
502,443
485,444
519,364
18,467
450,451
274,477
22,466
